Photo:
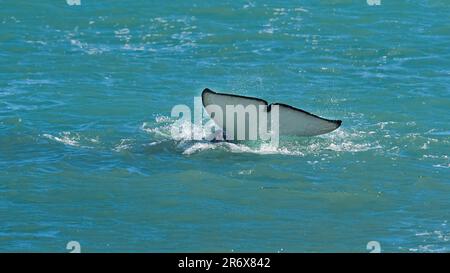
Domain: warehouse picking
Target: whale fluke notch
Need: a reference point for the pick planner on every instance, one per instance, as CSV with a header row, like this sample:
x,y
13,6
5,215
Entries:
x,y
292,121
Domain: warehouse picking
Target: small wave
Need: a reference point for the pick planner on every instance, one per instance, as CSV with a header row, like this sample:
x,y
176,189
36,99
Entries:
x,y
72,139
301,10
123,31
249,5
246,172
438,133
433,239
442,166
263,149
351,147
125,144
428,248
86,48
66,138
36,42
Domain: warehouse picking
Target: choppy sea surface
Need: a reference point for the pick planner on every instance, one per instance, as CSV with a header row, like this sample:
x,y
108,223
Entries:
x,y
87,154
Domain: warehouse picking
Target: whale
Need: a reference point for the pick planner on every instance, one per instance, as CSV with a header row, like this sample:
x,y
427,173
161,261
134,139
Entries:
x,y
292,121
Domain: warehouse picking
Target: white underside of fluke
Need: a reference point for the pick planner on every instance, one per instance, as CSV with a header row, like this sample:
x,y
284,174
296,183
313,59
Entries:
x,y
292,121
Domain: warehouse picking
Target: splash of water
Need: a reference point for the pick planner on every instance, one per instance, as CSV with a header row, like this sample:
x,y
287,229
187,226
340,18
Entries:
x,y
338,141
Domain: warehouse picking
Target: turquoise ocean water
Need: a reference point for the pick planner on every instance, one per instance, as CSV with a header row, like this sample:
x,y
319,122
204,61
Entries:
x,y
86,152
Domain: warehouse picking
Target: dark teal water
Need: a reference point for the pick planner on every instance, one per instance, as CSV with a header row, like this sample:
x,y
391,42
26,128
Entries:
x,y
86,152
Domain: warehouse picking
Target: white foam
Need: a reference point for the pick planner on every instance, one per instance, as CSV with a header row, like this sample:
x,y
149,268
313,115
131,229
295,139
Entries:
x,y
263,149
428,248
66,138
73,139
86,48
197,147
338,141
246,172
351,147
249,5
125,144
301,9
442,166
123,31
